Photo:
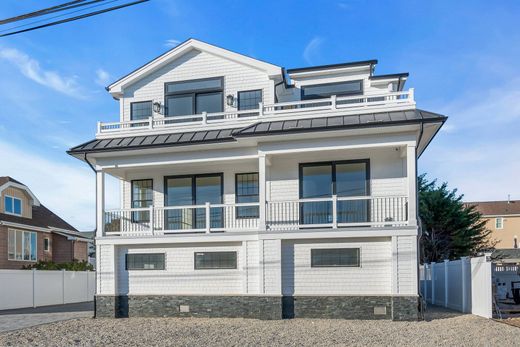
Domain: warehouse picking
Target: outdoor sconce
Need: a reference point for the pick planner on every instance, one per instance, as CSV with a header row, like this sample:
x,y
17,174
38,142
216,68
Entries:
x,y
230,100
157,107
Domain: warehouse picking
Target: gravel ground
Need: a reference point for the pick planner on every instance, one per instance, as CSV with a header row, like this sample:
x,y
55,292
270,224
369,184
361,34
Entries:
x,y
441,328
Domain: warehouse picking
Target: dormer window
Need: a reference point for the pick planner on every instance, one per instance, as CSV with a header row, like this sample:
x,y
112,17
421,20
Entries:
x,y
194,97
12,205
319,91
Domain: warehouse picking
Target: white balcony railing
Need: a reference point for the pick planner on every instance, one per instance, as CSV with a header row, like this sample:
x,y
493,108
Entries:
x,y
333,212
325,107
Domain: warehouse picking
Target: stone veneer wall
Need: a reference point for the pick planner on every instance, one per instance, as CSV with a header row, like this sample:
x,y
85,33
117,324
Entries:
x,y
260,307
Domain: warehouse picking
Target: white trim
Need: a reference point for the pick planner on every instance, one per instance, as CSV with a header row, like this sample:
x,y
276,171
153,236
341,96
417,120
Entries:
x,y
23,241
500,215
116,88
25,226
501,223
21,206
6,185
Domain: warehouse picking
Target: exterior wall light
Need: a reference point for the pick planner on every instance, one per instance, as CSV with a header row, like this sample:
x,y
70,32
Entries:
x,y
157,107
230,100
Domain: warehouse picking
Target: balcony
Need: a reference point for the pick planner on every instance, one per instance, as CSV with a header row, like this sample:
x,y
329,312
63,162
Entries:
x,y
335,105
319,213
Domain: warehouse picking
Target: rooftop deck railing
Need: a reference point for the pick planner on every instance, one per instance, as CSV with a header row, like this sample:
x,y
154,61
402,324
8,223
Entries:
x,y
331,212
325,107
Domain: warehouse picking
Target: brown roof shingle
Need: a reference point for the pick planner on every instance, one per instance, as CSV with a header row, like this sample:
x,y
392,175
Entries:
x,y
497,208
5,179
41,217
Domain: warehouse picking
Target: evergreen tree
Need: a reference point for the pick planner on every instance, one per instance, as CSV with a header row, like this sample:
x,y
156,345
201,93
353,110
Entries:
x,y
451,229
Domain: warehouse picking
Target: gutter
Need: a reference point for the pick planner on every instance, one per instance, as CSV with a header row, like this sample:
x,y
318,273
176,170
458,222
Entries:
x,y
89,163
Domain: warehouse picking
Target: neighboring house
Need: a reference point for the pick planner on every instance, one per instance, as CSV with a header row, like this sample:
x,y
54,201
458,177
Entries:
x,y
29,232
252,191
503,219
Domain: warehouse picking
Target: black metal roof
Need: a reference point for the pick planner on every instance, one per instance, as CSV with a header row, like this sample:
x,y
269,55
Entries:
x,y
260,129
332,66
149,141
340,122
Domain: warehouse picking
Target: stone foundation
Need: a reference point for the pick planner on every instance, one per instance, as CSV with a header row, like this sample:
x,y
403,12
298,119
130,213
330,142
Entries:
x,y
259,307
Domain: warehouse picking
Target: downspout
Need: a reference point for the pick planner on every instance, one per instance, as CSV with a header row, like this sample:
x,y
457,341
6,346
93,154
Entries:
x,y
89,163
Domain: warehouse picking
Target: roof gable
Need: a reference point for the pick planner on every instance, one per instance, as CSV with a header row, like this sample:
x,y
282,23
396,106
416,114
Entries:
x,y
6,182
116,88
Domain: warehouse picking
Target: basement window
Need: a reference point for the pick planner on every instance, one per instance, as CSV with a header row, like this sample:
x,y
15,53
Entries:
x,y
215,260
145,261
335,257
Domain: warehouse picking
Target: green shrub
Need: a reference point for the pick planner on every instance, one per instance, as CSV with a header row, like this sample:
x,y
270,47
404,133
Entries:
x,y
49,265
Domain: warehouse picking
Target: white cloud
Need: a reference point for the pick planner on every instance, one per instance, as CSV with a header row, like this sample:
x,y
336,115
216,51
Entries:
x,y
312,50
171,43
102,77
66,189
31,69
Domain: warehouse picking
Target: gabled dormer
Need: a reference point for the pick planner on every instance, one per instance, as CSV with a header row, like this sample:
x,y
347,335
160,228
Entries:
x,y
16,198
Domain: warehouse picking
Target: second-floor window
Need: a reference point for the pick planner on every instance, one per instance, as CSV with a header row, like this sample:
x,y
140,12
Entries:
x,y
13,205
194,97
142,197
499,223
247,192
326,90
140,110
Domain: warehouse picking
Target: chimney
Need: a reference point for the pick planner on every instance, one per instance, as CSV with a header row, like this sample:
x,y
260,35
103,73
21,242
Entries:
x,y
508,198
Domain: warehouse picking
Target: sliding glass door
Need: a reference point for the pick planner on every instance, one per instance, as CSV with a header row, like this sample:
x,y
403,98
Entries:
x,y
343,179
192,190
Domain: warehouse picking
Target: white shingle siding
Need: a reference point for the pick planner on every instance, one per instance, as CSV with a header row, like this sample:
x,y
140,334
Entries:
x,y
270,262
180,276
374,276
195,65
106,270
406,275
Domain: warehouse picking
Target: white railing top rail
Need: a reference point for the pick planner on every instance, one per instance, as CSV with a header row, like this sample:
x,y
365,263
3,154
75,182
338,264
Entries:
x,y
333,103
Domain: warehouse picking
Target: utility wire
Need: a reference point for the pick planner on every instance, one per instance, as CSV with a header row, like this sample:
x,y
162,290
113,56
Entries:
x,y
42,12
74,18
60,15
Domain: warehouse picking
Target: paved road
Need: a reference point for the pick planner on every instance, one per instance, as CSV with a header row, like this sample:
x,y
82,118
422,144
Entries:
x,y
28,317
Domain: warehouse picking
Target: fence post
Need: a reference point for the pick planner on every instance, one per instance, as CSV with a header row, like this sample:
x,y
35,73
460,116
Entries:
x,y
151,219
432,265
446,262
63,286
86,297
425,276
260,109
463,262
333,102
34,287
204,118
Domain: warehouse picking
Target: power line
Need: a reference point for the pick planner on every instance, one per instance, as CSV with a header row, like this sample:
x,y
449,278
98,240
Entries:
x,y
75,18
61,15
42,12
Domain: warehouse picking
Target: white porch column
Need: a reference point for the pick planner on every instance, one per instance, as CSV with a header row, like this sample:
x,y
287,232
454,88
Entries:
x,y
262,191
100,203
411,173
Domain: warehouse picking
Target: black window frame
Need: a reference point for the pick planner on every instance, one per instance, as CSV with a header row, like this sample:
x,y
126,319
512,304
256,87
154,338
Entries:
x,y
238,208
194,192
140,102
193,94
316,250
135,219
235,267
317,96
163,255
333,174
249,91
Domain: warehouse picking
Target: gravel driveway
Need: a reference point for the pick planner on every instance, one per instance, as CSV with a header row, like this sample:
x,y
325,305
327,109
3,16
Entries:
x,y
442,328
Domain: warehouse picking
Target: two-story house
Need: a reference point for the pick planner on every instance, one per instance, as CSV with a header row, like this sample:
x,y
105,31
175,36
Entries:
x,y
30,232
503,219
248,190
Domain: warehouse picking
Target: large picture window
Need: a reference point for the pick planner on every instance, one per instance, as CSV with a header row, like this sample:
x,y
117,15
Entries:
x,y
193,190
215,260
318,91
194,97
22,245
12,205
145,261
247,191
337,257
142,197
341,178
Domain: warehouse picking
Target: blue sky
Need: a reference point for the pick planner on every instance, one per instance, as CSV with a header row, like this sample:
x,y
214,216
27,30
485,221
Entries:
x,y
463,58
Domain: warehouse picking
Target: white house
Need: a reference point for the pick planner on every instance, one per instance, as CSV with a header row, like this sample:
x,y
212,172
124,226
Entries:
x,y
252,191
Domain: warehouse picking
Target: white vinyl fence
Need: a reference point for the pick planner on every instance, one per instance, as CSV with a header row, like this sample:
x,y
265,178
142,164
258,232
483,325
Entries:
x,y
463,285
33,288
